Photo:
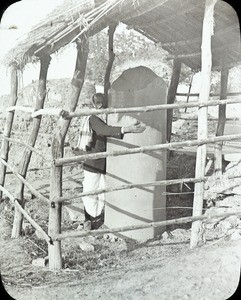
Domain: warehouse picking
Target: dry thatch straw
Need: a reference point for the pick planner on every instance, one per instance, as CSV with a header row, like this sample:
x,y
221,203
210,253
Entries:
x,y
55,22
66,24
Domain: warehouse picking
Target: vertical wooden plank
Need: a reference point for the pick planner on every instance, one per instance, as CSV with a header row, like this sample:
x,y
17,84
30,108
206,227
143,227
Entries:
x,y
172,94
8,125
111,32
54,250
26,157
206,67
221,117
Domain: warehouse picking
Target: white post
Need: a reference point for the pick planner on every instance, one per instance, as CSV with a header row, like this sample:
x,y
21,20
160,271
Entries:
x,y
206,67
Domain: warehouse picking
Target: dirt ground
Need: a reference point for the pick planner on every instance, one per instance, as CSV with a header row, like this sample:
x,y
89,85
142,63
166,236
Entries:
x,y
164,268
110,267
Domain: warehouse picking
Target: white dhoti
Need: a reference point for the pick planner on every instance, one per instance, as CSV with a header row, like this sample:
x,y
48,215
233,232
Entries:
x,y
93,204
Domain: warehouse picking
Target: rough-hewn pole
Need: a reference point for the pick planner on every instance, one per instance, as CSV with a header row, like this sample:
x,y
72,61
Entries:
x,y
172,94
111,32
189,90
54,250
206,67
221,116
8,125
24,163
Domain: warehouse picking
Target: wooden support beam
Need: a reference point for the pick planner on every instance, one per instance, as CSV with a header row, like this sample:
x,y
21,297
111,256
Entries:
x,y
172,94
24,163
208,23
111,32
26,215
8,125
82,233
93,111
221,117
54,250
145,149
14,141
26,183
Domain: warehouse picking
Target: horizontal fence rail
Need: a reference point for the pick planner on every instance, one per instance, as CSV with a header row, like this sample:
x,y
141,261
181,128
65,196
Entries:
x,y
80,233
211,94
26,215
14,141
138,185
85,112
26,183
89,112
79,158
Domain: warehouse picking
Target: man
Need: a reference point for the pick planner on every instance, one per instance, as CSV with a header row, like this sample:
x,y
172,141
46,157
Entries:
x,y
95,170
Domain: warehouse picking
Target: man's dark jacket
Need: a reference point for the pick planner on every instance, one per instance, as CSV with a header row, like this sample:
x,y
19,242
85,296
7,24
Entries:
x,y
100,133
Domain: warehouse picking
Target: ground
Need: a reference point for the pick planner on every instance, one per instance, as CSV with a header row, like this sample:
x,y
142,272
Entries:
x,y
164,268
116,268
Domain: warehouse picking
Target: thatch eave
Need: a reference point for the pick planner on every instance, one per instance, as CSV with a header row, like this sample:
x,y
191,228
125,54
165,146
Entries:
x,y
174,24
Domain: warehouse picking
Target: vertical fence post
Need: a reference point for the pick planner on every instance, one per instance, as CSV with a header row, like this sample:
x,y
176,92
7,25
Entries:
x,y
206,67
54,250
8,125
172,94
221,116
24,163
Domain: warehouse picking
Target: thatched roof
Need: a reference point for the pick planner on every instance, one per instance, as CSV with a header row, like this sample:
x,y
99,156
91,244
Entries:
x,y
175,24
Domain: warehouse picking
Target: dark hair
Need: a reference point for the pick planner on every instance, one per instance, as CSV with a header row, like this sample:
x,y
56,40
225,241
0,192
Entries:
x,y
98,95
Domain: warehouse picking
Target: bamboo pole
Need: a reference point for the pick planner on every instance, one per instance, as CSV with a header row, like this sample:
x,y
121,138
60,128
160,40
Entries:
x,y
138,185
206,67
172,146
111,53
93,111
211,94
26,183
20,108
23,167
54,250
221,116
24,144
81,233
8,125
172,94
26,215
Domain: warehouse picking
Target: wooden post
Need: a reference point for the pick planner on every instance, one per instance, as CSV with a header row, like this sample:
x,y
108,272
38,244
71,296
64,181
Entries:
x,y
111,32
203,117
221,117
189,91
54,250
172,94
8,125
24,163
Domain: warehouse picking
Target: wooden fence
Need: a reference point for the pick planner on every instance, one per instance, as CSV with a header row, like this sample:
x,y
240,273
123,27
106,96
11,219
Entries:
x,y
56,200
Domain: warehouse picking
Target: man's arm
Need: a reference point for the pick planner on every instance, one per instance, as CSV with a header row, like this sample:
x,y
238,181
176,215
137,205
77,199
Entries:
x,y
101,128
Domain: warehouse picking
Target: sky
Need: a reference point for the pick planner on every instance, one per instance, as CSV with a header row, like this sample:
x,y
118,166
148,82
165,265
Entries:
x,y
23,15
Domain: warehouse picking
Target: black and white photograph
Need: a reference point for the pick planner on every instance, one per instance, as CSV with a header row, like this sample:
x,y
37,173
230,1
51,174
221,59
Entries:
x,y
120,149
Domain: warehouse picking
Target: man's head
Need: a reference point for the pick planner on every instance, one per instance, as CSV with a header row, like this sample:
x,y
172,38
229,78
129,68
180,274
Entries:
x,y
98,100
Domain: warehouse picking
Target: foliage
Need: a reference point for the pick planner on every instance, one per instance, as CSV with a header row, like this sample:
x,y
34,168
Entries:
x,y
131,49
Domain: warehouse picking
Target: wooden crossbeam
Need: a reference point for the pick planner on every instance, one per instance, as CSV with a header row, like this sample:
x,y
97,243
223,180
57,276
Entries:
x,y
81,233
144,149
26,215
25,182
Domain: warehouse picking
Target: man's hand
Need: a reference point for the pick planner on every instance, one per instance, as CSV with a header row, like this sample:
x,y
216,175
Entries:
x,y
64,114
135,128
